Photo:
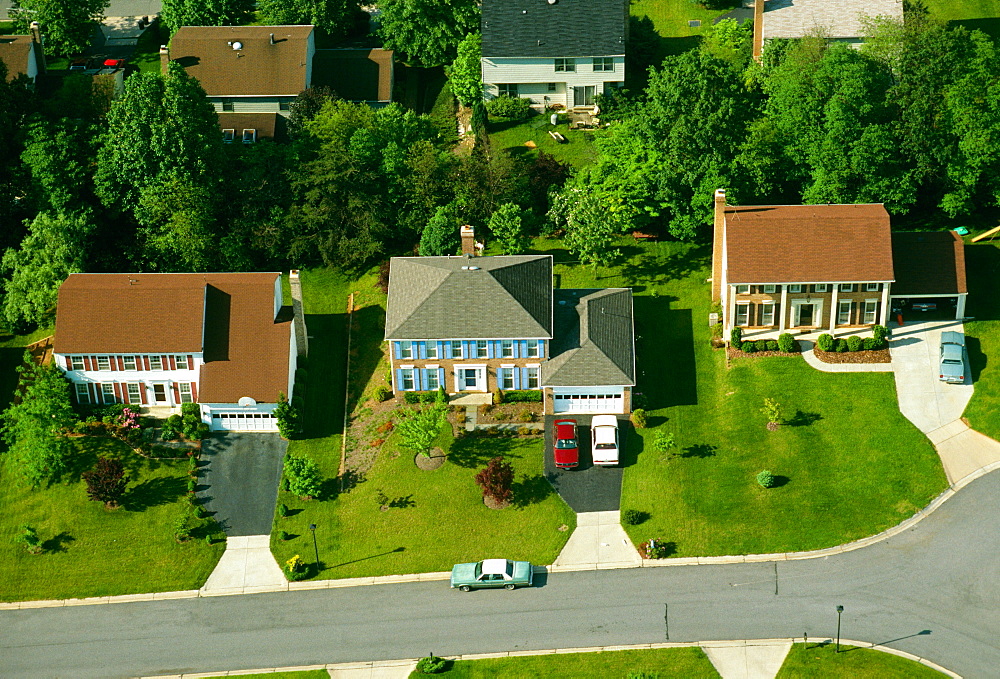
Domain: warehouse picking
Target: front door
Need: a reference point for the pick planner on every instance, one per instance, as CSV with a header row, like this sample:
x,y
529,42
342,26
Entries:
x,y
159,393
806,314
583,95
470,379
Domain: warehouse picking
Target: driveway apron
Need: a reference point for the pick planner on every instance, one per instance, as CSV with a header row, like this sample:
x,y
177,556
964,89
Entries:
x,y
242,475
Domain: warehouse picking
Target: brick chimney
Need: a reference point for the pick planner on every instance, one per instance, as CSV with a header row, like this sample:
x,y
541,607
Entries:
x,y
468,240
758,29
718,242
35,31
164,58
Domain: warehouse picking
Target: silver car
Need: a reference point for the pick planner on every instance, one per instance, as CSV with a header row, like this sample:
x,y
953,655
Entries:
x,y
952,357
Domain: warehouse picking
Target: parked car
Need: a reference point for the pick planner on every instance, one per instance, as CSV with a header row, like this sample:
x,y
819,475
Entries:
x,y
604,439
113,63
952,368
78,64
566,449
491,573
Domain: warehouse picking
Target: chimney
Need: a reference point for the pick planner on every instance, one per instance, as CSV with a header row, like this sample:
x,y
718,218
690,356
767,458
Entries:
x,y
36,33
718,242
164,58
272,38
758,29
468,240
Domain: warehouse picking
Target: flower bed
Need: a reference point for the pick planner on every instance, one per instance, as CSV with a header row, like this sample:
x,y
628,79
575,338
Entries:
x,y
511,413
876,356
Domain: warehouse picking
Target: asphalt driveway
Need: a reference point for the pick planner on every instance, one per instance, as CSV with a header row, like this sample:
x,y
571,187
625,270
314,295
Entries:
x,y
588,488
239,480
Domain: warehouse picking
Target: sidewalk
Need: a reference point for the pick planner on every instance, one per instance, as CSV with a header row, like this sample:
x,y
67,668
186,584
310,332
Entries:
x,y
247,566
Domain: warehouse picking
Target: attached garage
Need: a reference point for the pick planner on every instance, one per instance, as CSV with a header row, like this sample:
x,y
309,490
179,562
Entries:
x,y
241,420
588,400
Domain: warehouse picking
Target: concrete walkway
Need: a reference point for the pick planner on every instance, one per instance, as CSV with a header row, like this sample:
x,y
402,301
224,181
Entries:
x,y
807,354
963,451
747,659
598,542
247,566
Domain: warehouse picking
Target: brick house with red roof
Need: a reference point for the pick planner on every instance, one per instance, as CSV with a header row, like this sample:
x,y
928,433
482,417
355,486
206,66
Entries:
x,y
222,340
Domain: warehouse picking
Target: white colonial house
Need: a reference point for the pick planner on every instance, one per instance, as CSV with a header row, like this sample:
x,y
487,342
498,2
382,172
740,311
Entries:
x,y
158,341
554,51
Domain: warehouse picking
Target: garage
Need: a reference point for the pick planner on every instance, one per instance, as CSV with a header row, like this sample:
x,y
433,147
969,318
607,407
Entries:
x,y
588,400
223,420
929,308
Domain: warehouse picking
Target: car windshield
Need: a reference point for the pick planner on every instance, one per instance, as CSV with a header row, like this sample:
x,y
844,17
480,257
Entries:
x,y
566,443
952,361
605,446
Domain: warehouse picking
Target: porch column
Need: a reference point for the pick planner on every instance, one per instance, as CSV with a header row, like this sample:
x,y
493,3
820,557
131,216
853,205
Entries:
x,y
960,308
834,311
731,315
783,311
885,305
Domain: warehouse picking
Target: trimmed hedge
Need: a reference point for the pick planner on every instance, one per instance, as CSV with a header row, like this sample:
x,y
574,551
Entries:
x,y
523,396
786,343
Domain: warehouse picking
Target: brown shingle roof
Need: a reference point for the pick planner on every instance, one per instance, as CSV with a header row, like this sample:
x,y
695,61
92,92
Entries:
x,y
928,263
355,74
246,351
808,243
268,125
258,69
15,51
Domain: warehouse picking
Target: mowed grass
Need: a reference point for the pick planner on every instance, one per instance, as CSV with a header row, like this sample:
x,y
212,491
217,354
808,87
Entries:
x,y
807,661
850,465
91,551
578,151
981,14
690,663
982,263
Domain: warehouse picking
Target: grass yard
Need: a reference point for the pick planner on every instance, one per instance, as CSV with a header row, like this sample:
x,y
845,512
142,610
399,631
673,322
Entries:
x,y
579,150
847,452
981,14
146,56
982,263
820,660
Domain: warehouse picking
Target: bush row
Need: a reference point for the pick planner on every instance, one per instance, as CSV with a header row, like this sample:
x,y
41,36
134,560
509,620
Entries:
x,y
826,342
785,343
515,108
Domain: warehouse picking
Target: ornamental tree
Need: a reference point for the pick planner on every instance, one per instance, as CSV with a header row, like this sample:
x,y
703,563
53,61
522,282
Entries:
x,y
418,429
302,476
106,482
496,480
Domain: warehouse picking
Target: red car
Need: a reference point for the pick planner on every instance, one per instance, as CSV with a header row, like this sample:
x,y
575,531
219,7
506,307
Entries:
x,y
566,450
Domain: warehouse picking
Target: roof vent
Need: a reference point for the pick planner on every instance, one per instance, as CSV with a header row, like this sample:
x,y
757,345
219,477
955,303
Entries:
x,y
552,2
524,11
237,45
473,268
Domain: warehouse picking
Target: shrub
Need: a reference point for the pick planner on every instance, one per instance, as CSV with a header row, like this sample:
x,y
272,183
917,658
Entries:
x,y
414,397
771,410
772,345
786,343
497,397
301,375
496,480
287,416
825,342
302,474
749,347
765,479
881,334
516,108
870,344
107,481
760,345
432,664
282,510
854,343
171,428
840,345
633,517
192,486
663,442
191,424
522,396
380,393
283,535
441,396
638,400
526,416
736,337
182,527
295,568
638,418
29,538
658,549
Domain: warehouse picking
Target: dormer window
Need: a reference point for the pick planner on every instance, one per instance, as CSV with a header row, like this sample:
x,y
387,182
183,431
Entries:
x,y
228,136
249,136
565,65
227,106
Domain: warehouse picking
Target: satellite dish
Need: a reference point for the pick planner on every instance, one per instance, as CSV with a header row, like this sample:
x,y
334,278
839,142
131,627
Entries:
x,y
237,45
247,402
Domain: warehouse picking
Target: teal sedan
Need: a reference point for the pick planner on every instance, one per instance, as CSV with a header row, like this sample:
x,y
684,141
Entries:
x,y
491,573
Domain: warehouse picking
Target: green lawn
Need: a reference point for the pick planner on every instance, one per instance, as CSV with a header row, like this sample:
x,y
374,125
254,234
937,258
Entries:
x,y
983,336
821,660
850,453
579,150
146,56
981,14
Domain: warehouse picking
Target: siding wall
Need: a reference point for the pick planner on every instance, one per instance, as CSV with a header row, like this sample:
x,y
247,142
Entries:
x,y
534,73
251,104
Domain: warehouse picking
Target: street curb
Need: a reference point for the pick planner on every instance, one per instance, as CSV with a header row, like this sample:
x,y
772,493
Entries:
x,y
411,662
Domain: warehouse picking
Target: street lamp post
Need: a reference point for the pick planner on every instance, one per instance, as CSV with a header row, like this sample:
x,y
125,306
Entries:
x,y
840,609
312,527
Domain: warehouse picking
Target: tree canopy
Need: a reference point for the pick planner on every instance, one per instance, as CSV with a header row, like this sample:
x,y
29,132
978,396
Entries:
x,y
177,13
427,31
67,26
336,17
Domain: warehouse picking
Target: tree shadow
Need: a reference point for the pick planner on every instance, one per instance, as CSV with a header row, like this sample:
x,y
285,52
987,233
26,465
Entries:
x,y
57,543
324,415
700,450
402,502
661,331
366,351
88,449
778,481
153,493
373,556
652,267
530,490
475,451
802,419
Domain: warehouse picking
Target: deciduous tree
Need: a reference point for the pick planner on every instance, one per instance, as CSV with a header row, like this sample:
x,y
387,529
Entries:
x,y
107,481
497,480
336,17
427,31
509,230
593,220
417,429
67,26
303,476
465,77
440,236
177,13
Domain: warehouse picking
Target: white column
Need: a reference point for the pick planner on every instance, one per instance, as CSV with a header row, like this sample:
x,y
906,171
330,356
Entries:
x,y
960,309
731,316
784,308
885,305
834,310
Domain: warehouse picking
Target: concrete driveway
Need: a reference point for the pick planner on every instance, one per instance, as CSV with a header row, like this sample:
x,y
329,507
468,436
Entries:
x,y
240,481
926,401
588,488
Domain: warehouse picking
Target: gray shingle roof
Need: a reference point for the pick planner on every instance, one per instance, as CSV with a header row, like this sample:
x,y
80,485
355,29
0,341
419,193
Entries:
x,y
435,298
595,342
568,28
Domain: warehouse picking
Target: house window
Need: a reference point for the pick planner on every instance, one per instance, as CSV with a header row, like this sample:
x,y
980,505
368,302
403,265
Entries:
x,y
742,289
871,287
507,348
129,362
181,361
406,379
794,288
844,312
743,315
432,379
103,363
284,106
456,349
76,362
108,392
767,314
507,89
532,378
481,350
605,64
227,106
870,309
155,363
847,287
533,349
552,87
406,349
505,376
432,350
228,136
249,136
82,393
134,395
565,65
820,287
185,391
770,289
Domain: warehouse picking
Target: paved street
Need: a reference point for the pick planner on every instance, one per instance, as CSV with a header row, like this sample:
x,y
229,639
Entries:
x,y
930,591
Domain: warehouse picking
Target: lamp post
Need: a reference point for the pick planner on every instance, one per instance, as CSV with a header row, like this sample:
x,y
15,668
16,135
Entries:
x,y
312,527
840,609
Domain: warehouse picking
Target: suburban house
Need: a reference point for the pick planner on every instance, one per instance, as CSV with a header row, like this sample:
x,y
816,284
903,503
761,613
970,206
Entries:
x,y
22,54
478,324
561,52
839,20
360,75
251,74
156,341
838,269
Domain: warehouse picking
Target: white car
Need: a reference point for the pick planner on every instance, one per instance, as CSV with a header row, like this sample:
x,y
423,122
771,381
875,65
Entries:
x,y
604,440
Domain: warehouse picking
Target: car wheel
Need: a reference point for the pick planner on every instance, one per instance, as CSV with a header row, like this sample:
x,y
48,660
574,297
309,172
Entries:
x,y
510,586
465,588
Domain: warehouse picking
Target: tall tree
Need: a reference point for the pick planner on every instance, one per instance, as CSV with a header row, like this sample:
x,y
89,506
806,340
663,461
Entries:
x,y
466,76
440,237
427,31
17,102
593,219
67,26
177,13
306,105
509,230
59,155
336,17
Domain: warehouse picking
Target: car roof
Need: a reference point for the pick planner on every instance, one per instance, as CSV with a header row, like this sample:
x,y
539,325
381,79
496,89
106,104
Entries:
x,y
494,566
604,434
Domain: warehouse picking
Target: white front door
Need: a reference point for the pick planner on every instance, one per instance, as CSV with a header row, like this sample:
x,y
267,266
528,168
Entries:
x,y
470,378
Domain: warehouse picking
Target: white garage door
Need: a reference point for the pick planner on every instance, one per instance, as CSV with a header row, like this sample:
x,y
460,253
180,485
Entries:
x,y
610,401
243,421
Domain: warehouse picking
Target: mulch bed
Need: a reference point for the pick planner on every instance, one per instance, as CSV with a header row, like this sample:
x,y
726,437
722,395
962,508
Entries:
x,y
879,356
493,504
736,353
509,413
431,463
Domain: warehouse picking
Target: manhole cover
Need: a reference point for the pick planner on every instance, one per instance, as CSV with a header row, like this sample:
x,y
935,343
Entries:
x,y
694,23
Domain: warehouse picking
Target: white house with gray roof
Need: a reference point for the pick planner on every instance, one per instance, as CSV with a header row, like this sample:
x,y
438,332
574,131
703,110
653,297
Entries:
x,y
554,51
840,20
482,324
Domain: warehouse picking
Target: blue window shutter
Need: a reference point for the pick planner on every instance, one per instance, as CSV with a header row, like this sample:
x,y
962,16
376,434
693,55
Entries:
x,y
422,349
517,346
447,350
541,348
465,349
524,377
441,378
524,348
517,378
397,349
422,377
399,380
441,346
